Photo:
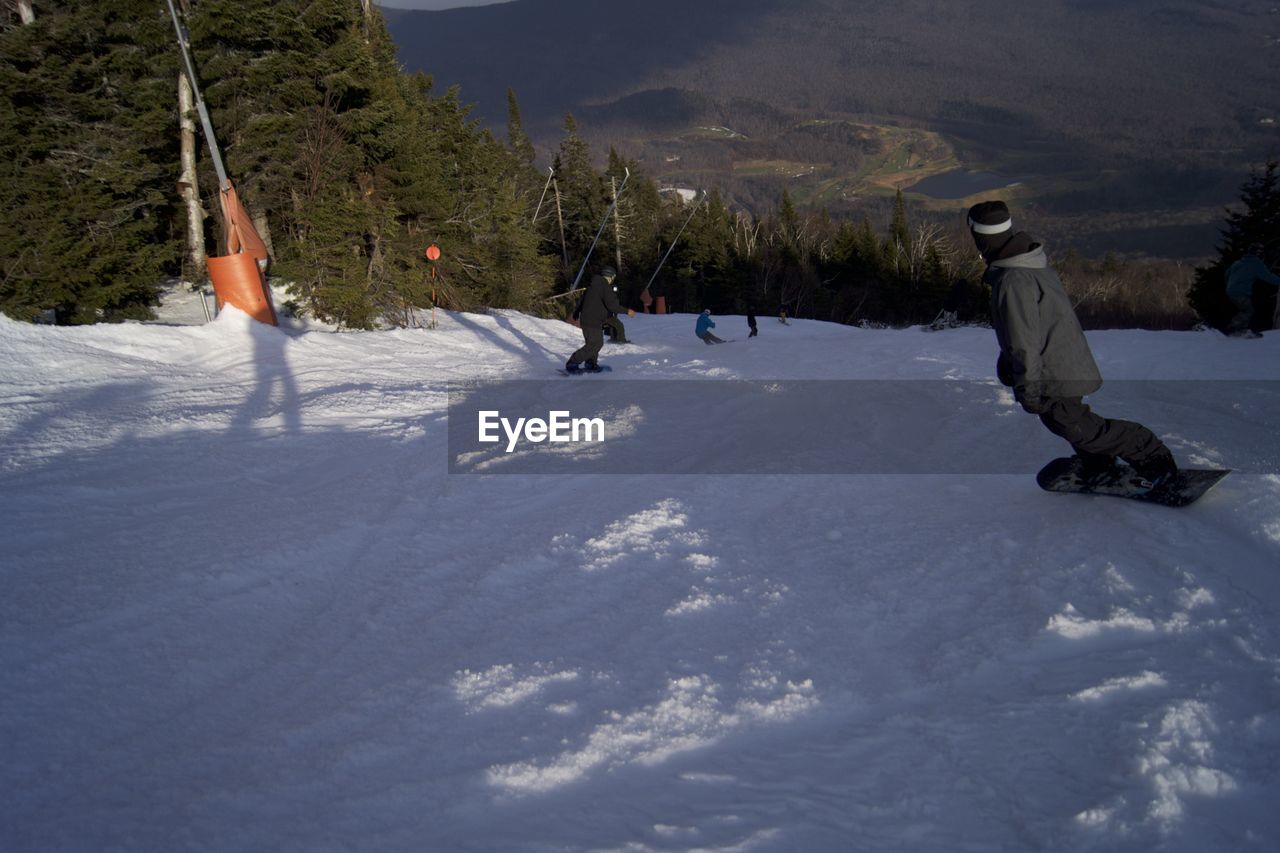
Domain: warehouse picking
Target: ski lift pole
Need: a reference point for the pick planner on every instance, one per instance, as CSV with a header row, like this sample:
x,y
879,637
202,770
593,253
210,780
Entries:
x,y
238,277
677,239
551,175
432,255
184,43
603,223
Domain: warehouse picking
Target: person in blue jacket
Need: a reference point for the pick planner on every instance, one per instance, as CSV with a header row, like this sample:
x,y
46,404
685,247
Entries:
x,y
704,327
1243,278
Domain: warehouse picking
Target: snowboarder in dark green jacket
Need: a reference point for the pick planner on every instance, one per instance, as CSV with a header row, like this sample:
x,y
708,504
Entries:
x,y
1045,358
1243,280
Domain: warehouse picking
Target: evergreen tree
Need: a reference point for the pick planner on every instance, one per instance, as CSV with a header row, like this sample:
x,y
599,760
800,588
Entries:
x,y
583,197
1258,222
788,221
531,183
483,211
896,247
856,272
699,271
306,97
637,216
867,246
88,144
519,141
361,167
788,260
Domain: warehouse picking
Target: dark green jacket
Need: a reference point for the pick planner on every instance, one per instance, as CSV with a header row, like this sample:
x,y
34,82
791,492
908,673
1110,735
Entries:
x,y
1043,351
598,303
1243,273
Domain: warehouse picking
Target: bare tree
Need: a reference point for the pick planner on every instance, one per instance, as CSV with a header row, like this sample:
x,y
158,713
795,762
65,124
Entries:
x,y
25,13
746,233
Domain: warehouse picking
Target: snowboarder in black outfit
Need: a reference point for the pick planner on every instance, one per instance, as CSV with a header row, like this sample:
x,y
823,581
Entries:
x,y
597,304
1046,360
751,321
617,331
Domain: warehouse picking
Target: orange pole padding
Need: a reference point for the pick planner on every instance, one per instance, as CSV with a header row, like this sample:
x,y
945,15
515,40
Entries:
x,y
660,306
237,276
240,235
238,281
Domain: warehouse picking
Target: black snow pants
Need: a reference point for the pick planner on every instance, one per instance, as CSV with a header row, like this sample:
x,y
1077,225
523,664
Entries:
x,y
593,334
1091,435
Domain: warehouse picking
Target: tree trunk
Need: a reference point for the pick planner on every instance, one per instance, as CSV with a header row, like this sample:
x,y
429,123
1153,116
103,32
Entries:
x,y
263,226
25,12
617,226
564,250
187,186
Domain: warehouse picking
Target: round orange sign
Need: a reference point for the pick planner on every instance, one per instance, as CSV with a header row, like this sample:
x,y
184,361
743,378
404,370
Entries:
x,y
433,252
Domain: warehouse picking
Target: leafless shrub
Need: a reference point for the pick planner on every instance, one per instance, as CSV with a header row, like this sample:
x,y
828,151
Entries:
x,y
1131,294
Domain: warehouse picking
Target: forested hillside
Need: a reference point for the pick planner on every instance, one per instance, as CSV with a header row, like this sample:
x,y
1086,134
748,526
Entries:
x,y
351,165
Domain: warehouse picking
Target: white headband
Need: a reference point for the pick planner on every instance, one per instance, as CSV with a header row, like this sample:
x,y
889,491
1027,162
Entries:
x,y
999,228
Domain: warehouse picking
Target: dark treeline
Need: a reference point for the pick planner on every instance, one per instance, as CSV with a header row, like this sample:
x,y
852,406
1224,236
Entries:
x,y
352,167
1255,223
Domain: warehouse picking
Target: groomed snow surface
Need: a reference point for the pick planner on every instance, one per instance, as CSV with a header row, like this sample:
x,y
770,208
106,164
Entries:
x,y
244,606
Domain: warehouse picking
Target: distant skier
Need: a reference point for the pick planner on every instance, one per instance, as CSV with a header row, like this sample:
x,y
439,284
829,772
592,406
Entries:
x,y
1045,358
782,318
704,327
751,321
1243,280
598,302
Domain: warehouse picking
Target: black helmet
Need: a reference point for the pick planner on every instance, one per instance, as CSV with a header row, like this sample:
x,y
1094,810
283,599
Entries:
x,y
609,272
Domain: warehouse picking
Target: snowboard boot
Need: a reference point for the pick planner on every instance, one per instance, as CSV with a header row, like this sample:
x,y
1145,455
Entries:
x,y
1155,470
572,366
1096,469
591,366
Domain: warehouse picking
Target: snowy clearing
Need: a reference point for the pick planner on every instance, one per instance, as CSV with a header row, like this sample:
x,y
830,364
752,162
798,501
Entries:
x,y
246,606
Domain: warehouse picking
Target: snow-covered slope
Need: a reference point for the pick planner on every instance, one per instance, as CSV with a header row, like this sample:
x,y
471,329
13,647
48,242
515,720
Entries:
x,y
245,606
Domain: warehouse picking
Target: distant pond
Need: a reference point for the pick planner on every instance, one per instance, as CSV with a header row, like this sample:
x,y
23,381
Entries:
x,y
959,183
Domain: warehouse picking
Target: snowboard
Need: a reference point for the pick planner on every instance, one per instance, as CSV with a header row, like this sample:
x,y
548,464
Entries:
x,y
1190,484
604,368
